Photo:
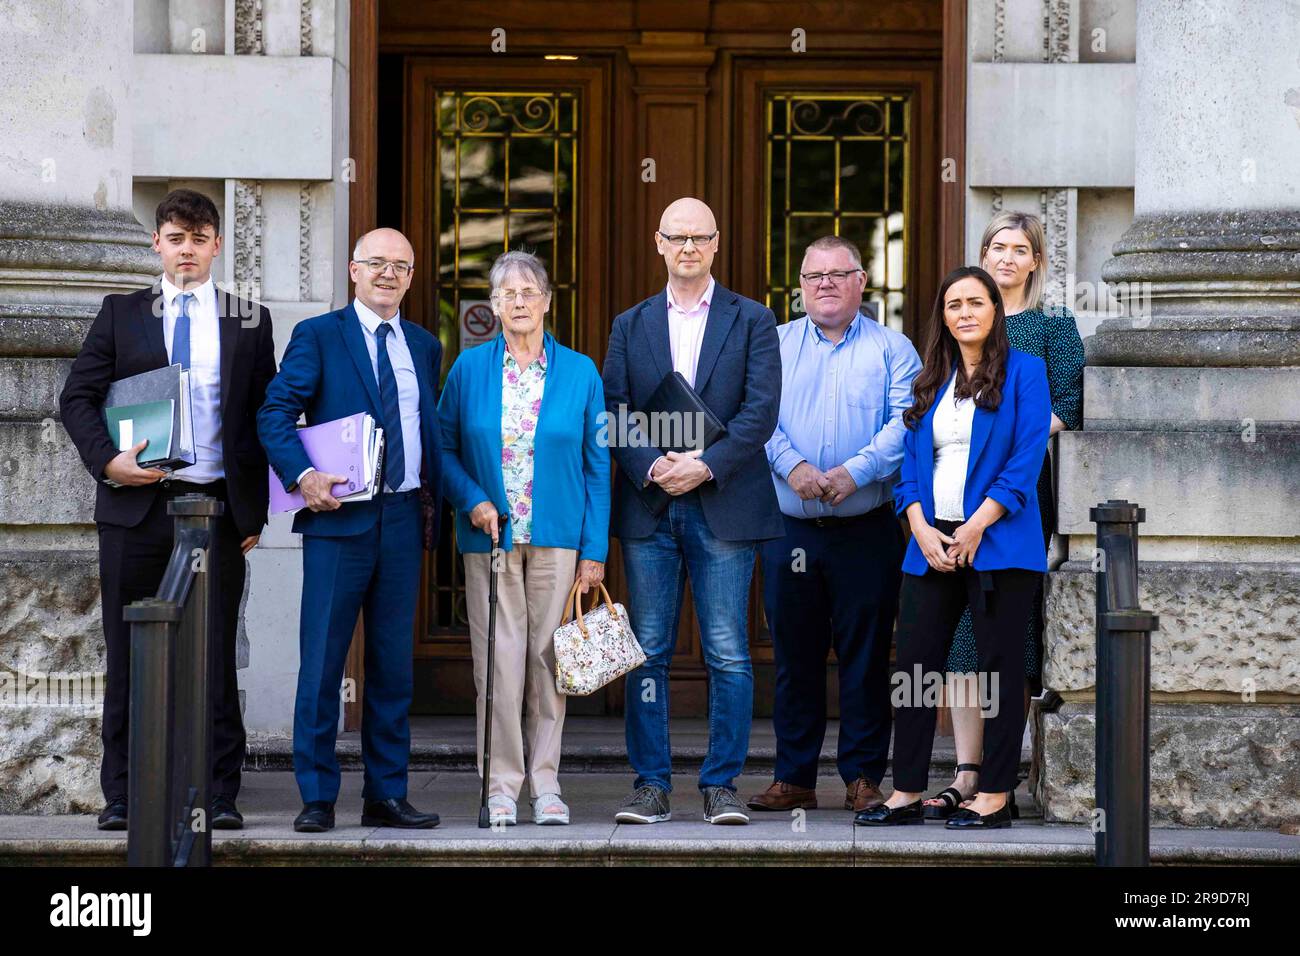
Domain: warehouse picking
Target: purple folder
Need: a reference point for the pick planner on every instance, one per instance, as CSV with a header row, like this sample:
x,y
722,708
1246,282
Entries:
x,y
338,447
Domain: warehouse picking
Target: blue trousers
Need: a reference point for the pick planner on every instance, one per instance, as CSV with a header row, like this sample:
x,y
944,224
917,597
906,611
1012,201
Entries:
x,y
720,573
834,586
376,572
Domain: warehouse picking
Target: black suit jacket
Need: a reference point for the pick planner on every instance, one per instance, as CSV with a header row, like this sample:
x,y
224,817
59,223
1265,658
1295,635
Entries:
x,y
738,377
126,339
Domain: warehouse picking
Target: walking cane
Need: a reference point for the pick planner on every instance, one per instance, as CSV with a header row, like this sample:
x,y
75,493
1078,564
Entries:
x,y
485,818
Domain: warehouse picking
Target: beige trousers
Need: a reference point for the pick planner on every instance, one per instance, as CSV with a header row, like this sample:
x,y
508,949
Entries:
x,y
532,584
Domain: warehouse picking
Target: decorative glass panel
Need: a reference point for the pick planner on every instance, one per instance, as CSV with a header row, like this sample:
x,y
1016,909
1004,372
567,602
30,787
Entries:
x,y
837,163
505,169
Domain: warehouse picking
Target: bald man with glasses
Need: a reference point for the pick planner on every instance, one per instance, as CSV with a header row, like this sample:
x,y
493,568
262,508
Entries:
x,y
698,513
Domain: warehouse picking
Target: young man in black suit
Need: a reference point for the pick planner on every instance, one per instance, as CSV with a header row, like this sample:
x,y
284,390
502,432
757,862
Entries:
x,y
225,342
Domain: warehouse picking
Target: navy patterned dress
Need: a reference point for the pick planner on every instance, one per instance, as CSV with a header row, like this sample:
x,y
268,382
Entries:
x,y
1053,336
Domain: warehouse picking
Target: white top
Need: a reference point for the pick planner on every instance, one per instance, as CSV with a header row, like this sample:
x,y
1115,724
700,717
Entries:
x,y
686,332
205,377
952,428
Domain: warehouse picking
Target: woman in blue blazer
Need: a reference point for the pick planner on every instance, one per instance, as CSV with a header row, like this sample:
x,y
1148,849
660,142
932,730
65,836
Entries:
x,y
976,435
525,467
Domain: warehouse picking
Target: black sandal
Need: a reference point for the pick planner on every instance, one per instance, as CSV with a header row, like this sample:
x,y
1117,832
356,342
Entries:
x,y
952,797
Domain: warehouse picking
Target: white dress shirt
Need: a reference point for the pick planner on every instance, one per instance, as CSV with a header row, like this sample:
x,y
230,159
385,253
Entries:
x,y
205,377
952,428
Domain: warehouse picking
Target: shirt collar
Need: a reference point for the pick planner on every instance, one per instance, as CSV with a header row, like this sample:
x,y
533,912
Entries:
x,y
849,332
704,300
509,359
204,295
370,320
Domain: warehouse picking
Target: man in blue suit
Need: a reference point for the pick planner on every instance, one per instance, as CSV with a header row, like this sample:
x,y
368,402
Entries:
x,y
361,555
701,512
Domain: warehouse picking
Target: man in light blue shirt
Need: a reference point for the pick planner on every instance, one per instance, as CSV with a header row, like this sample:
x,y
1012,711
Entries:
x,y
833,580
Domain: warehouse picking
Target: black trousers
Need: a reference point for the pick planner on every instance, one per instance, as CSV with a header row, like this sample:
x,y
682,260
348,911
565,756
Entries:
x,y
930,606
833,585
131,565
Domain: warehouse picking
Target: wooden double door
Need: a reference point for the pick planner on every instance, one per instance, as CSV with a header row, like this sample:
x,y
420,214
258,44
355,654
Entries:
x,y
574,156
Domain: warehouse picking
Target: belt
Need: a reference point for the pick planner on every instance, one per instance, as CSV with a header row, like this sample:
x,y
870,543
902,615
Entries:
x,y
844,521
216,488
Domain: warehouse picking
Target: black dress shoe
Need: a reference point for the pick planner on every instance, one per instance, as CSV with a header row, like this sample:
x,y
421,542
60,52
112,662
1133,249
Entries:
x,y
114,815
968,819
883,816
396,813
225,815
316,817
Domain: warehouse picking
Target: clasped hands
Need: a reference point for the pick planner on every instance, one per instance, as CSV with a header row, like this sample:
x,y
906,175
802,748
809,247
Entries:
x,y
832,487
679,472
950,552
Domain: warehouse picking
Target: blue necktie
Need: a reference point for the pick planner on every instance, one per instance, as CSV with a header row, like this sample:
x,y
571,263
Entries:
x,y
394,453
181,334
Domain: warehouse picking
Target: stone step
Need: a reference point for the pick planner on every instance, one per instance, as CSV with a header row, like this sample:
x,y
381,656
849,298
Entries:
x,y
591,745
821,837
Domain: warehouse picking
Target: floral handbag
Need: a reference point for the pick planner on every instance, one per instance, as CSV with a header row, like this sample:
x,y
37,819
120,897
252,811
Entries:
x,y
594,648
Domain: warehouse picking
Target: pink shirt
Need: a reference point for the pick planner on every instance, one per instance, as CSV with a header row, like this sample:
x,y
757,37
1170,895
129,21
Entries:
x,y
685,336
686,332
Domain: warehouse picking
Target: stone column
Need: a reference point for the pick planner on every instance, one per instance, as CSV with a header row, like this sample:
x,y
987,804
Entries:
x,y
67,237
1192,409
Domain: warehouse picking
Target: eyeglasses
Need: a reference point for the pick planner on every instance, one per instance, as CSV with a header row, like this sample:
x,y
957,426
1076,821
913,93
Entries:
x,y
682,240
377,267
838,277
509,296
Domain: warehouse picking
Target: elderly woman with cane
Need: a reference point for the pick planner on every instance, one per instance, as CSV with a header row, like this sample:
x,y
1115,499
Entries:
x,y
528,475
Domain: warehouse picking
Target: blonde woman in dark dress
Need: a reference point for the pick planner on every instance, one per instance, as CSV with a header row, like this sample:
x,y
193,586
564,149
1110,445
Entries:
x,y
1012,251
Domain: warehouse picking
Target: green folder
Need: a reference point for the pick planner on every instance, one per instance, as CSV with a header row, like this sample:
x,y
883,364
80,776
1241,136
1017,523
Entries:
x,y
128,425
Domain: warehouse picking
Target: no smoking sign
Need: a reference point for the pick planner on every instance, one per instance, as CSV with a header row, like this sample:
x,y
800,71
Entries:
x,y
478,323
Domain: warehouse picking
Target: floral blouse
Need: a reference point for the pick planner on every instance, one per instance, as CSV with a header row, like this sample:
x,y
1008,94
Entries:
x,y
521,403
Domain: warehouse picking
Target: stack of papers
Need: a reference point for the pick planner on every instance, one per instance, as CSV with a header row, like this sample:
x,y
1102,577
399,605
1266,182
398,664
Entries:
x,y
153,406
352,447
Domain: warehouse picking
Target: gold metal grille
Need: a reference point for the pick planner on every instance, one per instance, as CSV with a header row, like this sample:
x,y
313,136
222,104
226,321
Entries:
x,y
837,163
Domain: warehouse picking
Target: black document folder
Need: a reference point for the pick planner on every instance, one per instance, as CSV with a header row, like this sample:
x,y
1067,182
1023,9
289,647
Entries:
x,y
677,420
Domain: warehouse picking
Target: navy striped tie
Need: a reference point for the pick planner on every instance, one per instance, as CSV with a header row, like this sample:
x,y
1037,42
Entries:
x,y
394,453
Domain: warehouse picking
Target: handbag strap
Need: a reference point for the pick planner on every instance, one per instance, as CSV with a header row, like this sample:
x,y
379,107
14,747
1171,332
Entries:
x,y
573,607
609,602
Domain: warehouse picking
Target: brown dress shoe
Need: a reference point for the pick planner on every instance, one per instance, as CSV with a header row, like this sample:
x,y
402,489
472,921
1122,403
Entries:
x,y
861,795
784,796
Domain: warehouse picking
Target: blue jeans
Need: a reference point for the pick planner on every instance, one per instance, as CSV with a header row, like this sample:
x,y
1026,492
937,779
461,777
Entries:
x,y
720,573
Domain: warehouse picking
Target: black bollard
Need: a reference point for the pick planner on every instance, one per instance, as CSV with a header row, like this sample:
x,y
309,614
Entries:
x,y
153,626
1123,686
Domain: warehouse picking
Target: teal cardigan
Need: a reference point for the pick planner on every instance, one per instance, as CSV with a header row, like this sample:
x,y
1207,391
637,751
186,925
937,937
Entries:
x,y
570,460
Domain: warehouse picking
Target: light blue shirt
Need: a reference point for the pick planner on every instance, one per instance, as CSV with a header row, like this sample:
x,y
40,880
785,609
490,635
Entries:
x,y
842,403
408,387
205,377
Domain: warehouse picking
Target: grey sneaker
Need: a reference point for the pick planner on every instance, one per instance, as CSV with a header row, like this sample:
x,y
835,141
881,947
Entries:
x,y
647,804
721,806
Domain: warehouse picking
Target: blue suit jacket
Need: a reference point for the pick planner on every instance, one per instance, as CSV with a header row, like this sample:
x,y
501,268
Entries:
x,y
570,462
1006,456
326,373
738,377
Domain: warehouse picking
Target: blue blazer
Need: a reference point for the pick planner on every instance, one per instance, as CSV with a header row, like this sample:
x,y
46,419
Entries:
x,y
738,377
570,462
326,373
1006,456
